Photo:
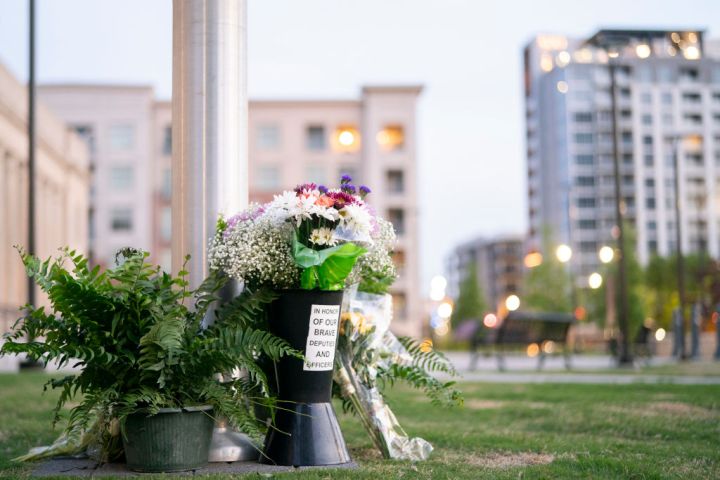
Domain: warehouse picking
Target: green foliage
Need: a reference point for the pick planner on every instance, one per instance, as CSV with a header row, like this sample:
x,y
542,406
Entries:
x,y
138,346
327,268
546,288
470,304
439,393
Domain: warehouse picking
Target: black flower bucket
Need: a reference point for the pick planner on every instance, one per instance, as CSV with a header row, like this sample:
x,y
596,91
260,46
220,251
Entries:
x,y
306,430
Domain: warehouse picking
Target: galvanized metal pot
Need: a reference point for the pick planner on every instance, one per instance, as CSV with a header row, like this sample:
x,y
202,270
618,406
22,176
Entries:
x,y
306,429
173,440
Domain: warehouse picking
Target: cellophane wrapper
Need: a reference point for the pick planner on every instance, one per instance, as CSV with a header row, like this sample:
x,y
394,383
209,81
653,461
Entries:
x,y
366,345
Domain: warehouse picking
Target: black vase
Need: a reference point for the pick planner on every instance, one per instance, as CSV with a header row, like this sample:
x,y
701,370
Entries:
x,y
306,430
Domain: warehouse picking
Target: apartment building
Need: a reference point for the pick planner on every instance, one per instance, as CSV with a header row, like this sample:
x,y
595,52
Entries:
x,y
62,182
371,137
668,103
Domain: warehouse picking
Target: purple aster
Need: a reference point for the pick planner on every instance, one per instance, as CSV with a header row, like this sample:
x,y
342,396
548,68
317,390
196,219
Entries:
x,y
345,179
364,190
322,189
349,188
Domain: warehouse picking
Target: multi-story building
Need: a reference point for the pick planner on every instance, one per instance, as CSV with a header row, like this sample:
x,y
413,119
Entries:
x,y
61,188
668,100
499,267
372,138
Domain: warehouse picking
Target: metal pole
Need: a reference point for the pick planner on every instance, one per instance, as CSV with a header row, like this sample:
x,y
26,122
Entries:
x,y
678,245
210,156
625,356
31,149
210,164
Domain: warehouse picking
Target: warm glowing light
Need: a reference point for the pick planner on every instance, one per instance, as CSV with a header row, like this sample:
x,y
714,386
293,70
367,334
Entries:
x,y
438,282
442,330
563,58
346,138
691,52
426,345
563,253
444,310
692,37
533,259
595,280
392,137
613,54
562,86
643,50
512,303
660,334
580,313
548,346
675,37
490,320
546,63
606,254
584,55
533,350
437,288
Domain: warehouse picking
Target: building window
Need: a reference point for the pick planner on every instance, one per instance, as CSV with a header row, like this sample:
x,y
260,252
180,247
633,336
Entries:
x,y
652,246
87,134
395,181
647,140
268,177
650,203
268,137
121,178
646,98
398,258
668,119
584,138
691,97
396,216
121,219
689,74
585,202
587,224
391,138
167,140
399,306
586,159
315,137
122,137
346,139
583,117
166,187
585,181
166,224
667,98
652,225
316,174
647,119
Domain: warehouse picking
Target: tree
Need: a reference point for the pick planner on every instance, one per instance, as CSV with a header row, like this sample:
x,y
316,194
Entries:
x,y
470,304
546,288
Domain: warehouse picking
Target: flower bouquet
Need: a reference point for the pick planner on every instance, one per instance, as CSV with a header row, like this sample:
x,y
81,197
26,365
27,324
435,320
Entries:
x,y
303,245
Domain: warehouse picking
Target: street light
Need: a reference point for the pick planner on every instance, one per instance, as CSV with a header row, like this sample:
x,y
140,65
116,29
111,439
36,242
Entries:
x,y
595,280
563,253
512,303
606,254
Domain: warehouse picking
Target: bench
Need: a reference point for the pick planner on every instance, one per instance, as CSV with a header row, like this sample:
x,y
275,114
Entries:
x,y
525,329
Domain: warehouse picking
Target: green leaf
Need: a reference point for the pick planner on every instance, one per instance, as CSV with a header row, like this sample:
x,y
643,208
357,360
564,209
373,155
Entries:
x,y
305,257
337,265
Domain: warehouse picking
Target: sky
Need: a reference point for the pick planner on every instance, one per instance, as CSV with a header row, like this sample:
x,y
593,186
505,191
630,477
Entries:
x,y
467,54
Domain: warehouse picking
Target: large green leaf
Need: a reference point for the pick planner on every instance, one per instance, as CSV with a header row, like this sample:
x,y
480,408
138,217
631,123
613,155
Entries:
x,y
327,268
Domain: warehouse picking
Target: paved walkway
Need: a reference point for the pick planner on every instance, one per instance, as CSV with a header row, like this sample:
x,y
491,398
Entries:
x,y
587,378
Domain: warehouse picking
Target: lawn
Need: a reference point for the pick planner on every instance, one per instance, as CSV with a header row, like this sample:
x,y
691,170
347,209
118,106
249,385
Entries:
x,y
503,432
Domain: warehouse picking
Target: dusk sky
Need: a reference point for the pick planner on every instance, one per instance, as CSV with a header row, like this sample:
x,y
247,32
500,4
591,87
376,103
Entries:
x,y
467,54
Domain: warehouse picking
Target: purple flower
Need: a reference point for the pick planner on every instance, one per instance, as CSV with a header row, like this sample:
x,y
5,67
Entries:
x,y
305,186
364,190
345,179
322,189
347,188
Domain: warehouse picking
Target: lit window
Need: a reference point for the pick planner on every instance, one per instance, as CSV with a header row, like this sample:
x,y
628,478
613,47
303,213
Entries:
x,y
121,178
316,174
391,138
121,219
396,181
315,136
167,140
396,216
122,137
268,177
268,137
346,139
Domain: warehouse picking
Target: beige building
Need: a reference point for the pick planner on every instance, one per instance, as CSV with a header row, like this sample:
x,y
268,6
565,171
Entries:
x,y
372,138
62,188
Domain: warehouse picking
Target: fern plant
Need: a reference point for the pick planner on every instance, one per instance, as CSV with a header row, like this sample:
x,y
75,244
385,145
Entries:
x,y
137,336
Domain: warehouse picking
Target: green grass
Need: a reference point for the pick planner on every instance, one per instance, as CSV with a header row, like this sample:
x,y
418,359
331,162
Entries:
x,y
503,432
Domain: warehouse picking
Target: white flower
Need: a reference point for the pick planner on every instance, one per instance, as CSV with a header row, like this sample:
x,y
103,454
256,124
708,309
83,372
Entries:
x,y
357,219
322,236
